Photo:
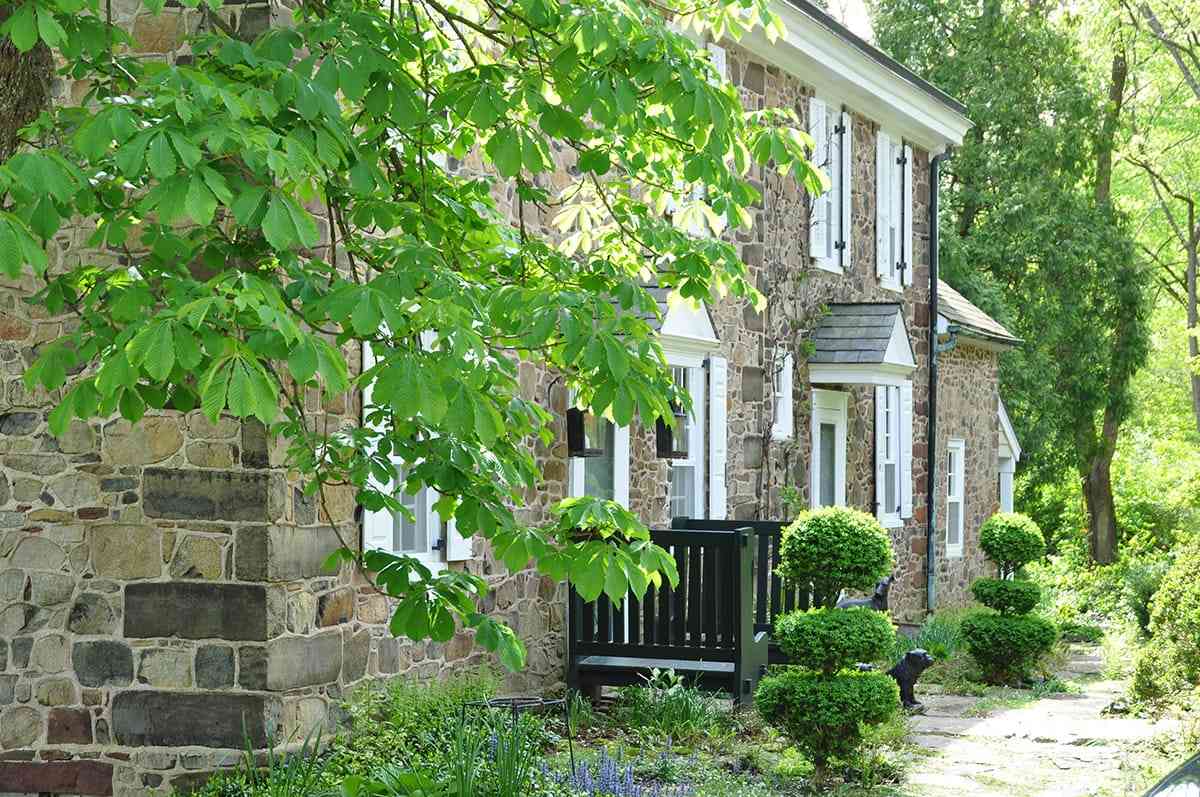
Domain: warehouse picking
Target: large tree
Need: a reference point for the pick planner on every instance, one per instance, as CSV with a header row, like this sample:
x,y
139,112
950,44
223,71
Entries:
x,y
1031,232
210,182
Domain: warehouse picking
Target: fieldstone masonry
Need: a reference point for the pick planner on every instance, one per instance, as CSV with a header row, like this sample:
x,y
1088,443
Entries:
x,y
161,588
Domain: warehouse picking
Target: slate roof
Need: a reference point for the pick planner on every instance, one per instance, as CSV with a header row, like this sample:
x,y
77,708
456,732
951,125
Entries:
x,y
854,333
955,308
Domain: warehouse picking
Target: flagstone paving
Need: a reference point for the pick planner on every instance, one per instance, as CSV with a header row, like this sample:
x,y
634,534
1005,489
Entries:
x,y
1062,745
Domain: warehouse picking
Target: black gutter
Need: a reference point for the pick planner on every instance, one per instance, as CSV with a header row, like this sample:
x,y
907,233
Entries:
x,y
877,55
935,164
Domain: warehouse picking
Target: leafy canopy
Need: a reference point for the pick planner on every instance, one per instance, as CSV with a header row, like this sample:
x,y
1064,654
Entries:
x,y
264,210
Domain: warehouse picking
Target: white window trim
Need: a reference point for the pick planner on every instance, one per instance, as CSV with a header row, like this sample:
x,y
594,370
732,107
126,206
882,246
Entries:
x,y
829,406
380,524
959,447
784,425
575,474
888,451
1008,467
893,192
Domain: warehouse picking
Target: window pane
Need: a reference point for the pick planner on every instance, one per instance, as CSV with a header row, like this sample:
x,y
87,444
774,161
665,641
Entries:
x,y
411,536
598,472
827,459
683,426
954,519
683,490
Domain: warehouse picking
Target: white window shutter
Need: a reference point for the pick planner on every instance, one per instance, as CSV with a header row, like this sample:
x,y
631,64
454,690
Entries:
x,y
845,195
718,377
377,534
906,450
818,221
880,452
620,465
907,210
458,548
717,53
883,204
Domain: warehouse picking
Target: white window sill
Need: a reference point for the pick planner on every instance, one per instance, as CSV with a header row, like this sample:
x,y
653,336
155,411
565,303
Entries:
x,y
828,264
954,552
891,521
780,435
891,285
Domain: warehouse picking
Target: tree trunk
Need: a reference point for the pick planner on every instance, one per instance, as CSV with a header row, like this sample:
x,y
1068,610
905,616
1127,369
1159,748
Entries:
x,y
24,87
1102,512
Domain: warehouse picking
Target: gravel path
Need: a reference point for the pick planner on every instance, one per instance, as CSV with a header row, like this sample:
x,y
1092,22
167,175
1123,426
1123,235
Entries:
x,y
1063,745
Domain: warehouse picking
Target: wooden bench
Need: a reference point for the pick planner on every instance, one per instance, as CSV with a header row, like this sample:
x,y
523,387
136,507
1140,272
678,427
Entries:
x,y
703,629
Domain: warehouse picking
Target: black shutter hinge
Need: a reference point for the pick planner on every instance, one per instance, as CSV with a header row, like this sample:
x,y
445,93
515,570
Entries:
x,y
840,245
901,160
839,129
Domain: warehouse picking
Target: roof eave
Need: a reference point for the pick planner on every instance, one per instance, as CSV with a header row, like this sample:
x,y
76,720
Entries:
x,y
842,66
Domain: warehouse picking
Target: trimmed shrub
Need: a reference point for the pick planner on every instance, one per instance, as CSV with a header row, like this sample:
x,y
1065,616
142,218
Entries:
x,y
831,639
1143,578
824,715
833,549
1011,540
1006,597
1007,646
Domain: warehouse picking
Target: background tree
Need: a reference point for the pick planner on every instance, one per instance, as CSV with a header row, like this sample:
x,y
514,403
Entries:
x,y
265,210
1031,233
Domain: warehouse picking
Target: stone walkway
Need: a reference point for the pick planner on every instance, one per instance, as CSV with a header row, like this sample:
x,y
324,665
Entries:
x,y
1062,745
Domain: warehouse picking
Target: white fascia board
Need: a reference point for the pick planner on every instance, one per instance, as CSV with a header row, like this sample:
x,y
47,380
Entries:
x,y
833,67
1007,432
859,374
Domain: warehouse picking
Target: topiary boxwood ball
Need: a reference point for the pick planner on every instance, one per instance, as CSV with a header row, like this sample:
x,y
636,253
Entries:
x,y
1006,597
830,639
824,715
835,549
1007,646
1011,540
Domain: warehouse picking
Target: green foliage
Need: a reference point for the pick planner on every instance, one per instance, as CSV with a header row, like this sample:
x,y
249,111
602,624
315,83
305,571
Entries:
x,y
295,774
835,549
940,635
1006,647
1006,597
825,715
1143,579
1072,631
207,174
666,706
1011,540
422,720
831,639
1173,660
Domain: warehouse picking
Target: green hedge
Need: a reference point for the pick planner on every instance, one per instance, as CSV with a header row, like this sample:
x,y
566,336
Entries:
x,y
1007,646
1011,540
1006,597
830,639
1172,662
833,549
823,715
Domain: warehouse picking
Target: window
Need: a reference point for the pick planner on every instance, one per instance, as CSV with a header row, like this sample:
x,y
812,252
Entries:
x,y
893,212
785,422
829,219
828,461
887,488
605,476
1007,468
956,451
419,532
687,472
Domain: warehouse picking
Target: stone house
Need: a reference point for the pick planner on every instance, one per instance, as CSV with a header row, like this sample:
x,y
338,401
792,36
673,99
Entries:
x,y
161,590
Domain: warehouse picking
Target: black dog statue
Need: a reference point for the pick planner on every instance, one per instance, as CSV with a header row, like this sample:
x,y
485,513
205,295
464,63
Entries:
x,y
906,672
878,601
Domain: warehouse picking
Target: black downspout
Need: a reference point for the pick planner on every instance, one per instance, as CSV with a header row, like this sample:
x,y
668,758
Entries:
x,y
935,164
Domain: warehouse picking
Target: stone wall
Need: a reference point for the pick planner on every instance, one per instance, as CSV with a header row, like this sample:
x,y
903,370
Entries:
x,y
968,409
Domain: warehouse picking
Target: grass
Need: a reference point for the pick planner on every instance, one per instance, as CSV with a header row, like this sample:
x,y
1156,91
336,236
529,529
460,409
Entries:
x,y
666,706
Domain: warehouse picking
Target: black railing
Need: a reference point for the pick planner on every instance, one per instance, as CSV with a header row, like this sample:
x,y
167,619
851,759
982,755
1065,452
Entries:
x,y
704,626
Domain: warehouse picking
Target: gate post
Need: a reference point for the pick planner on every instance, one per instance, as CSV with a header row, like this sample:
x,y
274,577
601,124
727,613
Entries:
x,y
751,657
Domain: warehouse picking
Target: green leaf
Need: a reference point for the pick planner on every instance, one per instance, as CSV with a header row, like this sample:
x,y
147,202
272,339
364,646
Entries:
x,y
132,406
22,27
161,157
249,206
287,224
201,204
595,161
51,32
241,392
213,389
153,349
504,148
302,362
